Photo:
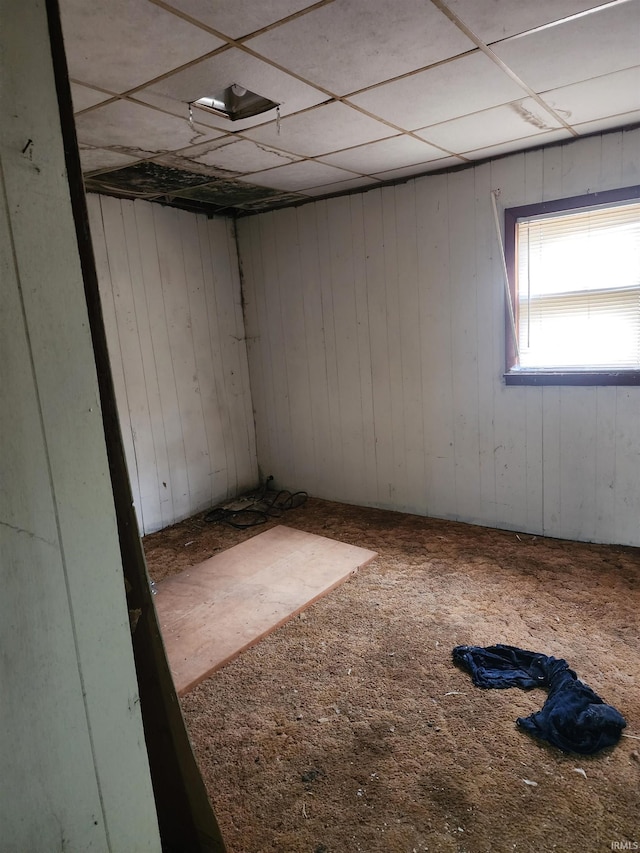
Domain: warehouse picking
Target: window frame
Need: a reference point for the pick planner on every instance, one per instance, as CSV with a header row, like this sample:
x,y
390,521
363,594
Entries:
x,y
549,376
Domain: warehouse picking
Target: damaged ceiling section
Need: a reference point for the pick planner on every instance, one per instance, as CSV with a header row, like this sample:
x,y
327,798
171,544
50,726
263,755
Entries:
x,y
234,108
208,190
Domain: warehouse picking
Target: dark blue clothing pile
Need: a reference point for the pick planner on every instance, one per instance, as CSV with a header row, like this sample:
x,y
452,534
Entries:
x,y
574,718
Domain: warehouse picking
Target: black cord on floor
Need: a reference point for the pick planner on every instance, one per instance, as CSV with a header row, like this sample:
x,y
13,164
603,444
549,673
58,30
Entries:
x,y
259,507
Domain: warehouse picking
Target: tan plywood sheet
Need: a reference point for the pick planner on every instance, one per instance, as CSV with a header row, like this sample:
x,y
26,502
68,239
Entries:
x,y
210,613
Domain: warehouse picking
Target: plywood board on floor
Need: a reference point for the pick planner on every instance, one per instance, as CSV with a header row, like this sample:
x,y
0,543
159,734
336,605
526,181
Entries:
x,y
210,613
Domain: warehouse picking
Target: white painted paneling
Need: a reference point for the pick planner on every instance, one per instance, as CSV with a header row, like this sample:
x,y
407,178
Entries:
x,y
347,424
223,260
399,399
627,461
363,333
318,434
380,361
170,290
512,434
258,345
389,262
295,350
111,328
74,764
275,358
463,286
432,226
409,333
157,365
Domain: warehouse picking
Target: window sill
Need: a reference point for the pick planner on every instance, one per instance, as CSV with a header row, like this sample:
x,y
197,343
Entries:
x,y
572,377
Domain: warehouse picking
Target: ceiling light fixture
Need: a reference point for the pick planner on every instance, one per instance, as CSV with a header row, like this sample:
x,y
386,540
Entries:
x,y
235,103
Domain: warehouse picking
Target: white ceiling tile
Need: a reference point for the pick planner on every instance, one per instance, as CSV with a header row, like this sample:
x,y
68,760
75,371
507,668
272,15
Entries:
x,y
468,83
83,97
133,126
129,43
199,149
342,186
180,109
97,159
491,20
518,145
240,17
419,168
603,42
581,56
349,44
299,176
214,75
321,130
518,120
387,154
621,121
594,99
245,156
272,202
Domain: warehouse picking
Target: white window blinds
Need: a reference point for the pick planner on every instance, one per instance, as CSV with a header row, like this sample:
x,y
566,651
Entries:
x,y
578,297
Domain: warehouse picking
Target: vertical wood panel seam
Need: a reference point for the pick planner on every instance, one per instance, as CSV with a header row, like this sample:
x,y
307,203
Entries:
x,y
477,311
211,454
213,315
154,378
155,363
393,319
220,375
175,215
184,249
332,319
615,454
364,322
323,336
122,360
264,349
307,355
452,344
63,556
135,436
396,287
543,484
235,286
173,372
419,347
376,197
245,384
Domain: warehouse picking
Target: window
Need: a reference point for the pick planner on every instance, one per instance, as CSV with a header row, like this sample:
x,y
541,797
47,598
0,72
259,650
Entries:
x,y
574,275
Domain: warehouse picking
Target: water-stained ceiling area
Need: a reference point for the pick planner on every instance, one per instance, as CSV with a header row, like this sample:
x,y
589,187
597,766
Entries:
x,y
369,91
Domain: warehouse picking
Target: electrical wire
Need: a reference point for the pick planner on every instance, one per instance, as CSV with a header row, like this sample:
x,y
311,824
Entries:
x,y
256,508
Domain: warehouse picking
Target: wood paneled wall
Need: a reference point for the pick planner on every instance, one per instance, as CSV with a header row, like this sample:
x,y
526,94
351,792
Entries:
x,y
375,328
75,771
172,308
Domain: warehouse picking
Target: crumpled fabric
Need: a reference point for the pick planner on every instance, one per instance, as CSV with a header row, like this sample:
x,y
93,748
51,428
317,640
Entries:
x,y
574,718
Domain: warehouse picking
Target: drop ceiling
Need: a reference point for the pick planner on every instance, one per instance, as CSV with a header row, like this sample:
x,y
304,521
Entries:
x,y
370,91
